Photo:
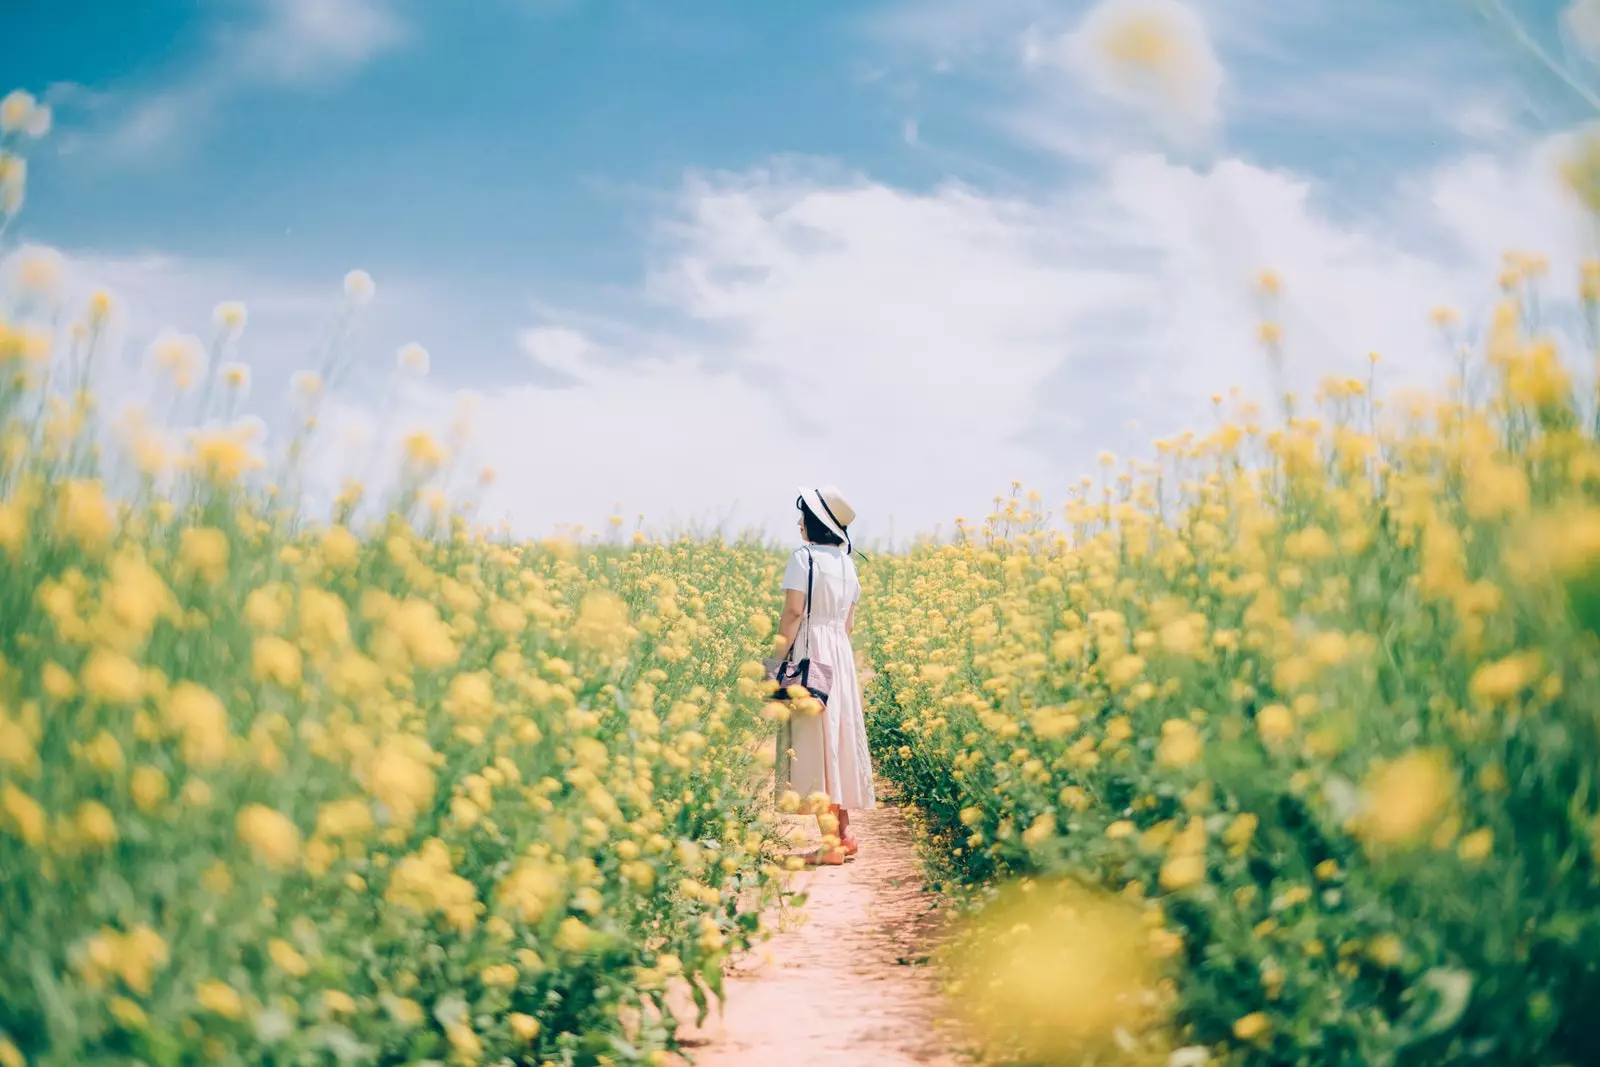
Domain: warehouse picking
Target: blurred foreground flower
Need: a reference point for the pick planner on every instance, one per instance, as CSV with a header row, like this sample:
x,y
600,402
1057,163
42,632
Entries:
x,y
230,316
1155,56
359,287
38,271
1055,971
20,112
412,358
1405,798
1580,168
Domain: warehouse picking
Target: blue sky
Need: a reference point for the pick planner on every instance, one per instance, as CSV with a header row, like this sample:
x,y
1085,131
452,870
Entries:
x,y
579,206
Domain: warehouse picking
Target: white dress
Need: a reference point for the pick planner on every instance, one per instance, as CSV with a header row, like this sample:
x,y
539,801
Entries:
x,y
827,753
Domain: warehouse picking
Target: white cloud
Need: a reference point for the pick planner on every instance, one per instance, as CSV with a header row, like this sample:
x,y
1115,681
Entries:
x,y
300,41
1582,20
292,44
921,349
1277,73
560,349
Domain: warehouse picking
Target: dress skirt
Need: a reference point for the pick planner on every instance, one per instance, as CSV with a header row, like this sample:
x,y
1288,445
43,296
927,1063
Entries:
x,y
827,752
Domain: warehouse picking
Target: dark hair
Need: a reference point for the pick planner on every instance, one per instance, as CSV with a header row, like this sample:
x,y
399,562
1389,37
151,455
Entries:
x,y
817,531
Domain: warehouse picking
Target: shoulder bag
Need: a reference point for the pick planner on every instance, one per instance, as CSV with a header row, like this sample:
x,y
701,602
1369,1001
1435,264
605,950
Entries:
x,y
791,678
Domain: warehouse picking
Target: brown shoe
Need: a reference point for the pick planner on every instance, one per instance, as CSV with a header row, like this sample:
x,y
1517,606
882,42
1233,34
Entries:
x,y
824,858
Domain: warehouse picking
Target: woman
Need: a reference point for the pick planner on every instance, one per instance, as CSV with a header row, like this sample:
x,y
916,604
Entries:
x,y
827,752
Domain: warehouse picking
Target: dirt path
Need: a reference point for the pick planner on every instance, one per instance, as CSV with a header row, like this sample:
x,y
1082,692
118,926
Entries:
x,y
844,983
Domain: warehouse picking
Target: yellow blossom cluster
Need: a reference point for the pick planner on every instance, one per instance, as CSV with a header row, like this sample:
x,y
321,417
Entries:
x,y
373,791
1313,695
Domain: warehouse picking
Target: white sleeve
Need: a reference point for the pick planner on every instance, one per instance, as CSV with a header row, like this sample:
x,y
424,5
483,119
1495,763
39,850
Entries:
x,y
794,575
855,581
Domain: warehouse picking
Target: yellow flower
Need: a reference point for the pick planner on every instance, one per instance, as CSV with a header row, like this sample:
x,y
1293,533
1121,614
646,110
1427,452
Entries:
x,y
17,109
27,818
1040,830
1180,744
1251,1027
1182,871
276,660
103,753
10,1055
338,1002
1015,989
198,714
403,1010
13,526
1476,846
324,623
128,1013
230,316
203,551
96,823
270,834
83,514
57,681
471,696
602,624
400,778
359,287
148,786
1073,797
351,817
573,936
112,678
285,957
424,882
421,634
499,974
525,1027
339,547
1405,798
464,1042
267,608
16,747
1499,682
219,998
1275,724
423,451
1386,950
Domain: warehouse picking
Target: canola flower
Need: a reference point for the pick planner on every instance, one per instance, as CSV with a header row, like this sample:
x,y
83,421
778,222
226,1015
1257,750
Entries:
x,y
1284,743
345,770
1316,700
273,790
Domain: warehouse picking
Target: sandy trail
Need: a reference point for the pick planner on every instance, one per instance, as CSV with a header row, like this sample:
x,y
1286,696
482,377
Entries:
x,y
844,982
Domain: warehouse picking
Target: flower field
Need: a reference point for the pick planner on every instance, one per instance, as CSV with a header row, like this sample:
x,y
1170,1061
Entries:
x,y
1283,749
376,791
1307,716
270,795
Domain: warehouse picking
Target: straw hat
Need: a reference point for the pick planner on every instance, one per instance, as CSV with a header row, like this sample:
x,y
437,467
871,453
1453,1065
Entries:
x,y
831,508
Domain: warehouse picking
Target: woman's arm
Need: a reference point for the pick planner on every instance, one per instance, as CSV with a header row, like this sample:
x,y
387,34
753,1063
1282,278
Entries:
x,y
850,622
794,612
